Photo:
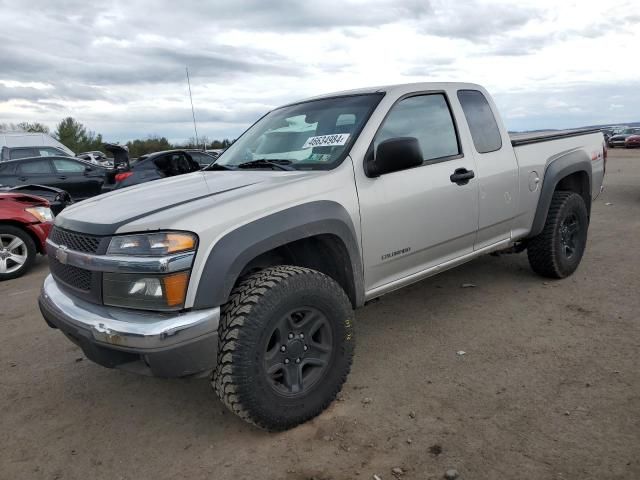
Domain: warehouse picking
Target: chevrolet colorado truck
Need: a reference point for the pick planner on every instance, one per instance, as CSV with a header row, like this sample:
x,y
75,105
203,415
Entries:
x,y
252,268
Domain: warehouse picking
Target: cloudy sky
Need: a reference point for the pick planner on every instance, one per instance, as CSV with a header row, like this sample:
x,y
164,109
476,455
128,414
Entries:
x,y
119,66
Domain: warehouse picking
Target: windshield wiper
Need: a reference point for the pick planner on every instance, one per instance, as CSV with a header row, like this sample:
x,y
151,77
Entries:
x,y
217,166
266,162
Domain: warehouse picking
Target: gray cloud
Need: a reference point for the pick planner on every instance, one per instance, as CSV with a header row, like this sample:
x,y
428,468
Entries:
x,y
294,15
518,45
474,21
129,56
109,66
431,67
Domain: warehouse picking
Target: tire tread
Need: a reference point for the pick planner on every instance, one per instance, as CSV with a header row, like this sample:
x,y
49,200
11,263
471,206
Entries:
x,y
542,255
246,295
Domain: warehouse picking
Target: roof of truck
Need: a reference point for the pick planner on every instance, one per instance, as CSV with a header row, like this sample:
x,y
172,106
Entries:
x,y
400,88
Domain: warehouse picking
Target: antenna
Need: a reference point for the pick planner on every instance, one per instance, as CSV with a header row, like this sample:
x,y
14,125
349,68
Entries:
x,y
193,112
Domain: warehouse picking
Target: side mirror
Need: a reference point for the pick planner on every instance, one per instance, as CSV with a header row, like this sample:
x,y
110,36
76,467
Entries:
x,y
395,154
88,169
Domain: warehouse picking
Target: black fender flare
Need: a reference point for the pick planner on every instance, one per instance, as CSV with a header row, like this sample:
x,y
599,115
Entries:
x,y
562,166
237,248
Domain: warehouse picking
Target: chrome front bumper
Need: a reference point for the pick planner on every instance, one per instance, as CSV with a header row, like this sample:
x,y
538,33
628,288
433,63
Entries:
x,y
166,344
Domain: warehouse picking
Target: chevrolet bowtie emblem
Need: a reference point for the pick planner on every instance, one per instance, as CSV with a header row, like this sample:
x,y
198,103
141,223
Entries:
x,y
61,254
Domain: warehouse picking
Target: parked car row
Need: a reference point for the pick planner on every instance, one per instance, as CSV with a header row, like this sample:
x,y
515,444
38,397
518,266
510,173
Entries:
x,y
82,179
627,137
39,177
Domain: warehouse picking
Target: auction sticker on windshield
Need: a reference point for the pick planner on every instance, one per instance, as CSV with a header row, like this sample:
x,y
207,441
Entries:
x,y
326,140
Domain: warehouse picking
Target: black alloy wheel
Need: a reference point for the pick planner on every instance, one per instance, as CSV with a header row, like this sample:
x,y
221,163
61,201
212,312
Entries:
x,y
569,230
299,351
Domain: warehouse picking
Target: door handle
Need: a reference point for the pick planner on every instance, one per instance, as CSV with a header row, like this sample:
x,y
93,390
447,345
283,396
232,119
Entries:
x,y
62,177
22,179
461,176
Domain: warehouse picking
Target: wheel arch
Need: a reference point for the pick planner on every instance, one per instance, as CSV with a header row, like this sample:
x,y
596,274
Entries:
x,y
569,171
36,241
318,235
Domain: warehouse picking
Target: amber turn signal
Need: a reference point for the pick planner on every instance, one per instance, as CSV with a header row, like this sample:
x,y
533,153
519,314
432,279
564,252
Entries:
x,y
179,242
175,288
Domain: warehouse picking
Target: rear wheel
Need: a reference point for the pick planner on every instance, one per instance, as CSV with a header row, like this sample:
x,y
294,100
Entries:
x,y
286,346
557,251
17,252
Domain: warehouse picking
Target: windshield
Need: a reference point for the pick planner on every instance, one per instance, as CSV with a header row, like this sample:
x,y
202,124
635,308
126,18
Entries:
x,y
314,135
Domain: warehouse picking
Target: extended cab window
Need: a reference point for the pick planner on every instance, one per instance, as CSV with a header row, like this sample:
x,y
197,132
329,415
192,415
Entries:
x,y
37,167
427,118
482,123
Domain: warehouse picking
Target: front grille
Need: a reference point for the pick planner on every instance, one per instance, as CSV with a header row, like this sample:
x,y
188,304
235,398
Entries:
x,y
80,242
73,276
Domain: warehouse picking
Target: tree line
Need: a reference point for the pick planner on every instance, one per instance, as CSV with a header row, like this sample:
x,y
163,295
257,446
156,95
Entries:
x,y
75,136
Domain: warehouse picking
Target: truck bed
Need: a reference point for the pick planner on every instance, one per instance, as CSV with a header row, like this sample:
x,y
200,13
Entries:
x,y
544,136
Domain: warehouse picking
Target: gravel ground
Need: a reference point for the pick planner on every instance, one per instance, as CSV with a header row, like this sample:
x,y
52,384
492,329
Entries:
x,y
548,387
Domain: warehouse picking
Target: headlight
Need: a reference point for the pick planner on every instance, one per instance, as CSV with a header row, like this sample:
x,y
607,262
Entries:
x,y
43,214
152,244
145,292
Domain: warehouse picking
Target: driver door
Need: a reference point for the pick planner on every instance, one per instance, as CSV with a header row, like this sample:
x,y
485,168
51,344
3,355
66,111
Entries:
x,y
418,218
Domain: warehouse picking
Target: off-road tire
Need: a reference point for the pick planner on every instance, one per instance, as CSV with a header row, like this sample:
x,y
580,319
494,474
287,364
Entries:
x,y
31,251
545,251
255,304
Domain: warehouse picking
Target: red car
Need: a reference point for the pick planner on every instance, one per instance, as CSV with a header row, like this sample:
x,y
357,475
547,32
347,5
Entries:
x,y
25,222
632,141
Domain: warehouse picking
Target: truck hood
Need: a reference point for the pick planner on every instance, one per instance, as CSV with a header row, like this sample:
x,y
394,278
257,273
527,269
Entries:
x,y
104,214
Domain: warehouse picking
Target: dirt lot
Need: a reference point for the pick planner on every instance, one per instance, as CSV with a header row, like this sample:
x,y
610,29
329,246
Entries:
x,y
548,388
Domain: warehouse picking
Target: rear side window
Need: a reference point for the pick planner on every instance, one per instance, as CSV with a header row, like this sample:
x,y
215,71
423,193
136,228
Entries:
x,y
68,166
50,152
482,123
37,167
427,118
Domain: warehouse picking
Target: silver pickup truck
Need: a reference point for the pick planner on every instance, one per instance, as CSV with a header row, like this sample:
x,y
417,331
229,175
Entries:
x,y
252,268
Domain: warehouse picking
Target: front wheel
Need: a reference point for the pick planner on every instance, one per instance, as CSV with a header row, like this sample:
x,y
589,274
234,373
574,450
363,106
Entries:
x,y
557,251
17,252
285,346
